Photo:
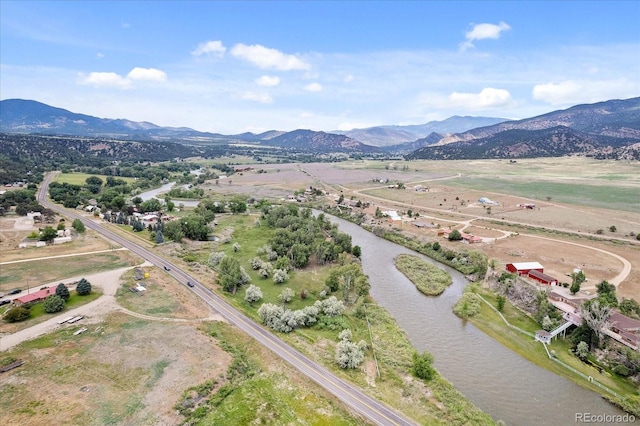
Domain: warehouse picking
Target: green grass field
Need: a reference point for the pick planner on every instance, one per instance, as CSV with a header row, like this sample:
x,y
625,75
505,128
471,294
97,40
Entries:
x,y
80,178
602,195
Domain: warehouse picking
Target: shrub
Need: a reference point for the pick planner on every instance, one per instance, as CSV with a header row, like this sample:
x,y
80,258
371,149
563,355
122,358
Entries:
x,y
252,294
280,276
468,305
17,314
215,258
348,354
287,295
422,368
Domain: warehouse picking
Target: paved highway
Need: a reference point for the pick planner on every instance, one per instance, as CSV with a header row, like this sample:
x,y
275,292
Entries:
x,y
366,406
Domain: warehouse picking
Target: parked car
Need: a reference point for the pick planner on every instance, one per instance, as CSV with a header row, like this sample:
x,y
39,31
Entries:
x,y
15,291
189,283
4,302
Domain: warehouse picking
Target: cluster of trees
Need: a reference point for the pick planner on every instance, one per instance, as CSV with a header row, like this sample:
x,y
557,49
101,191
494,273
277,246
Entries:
x,y
285,320
24,201
180,192
473,263
299,235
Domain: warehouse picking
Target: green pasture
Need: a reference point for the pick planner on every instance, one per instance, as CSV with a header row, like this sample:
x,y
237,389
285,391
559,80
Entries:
x,y
614,197
80,178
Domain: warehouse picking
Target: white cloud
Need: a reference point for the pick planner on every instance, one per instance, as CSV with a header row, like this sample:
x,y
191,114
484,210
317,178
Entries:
x,y
313,87
583,91
263,98
104,79
112,79
267,58
348,78
487,98
483,31
214,46
268,81
99,55
147,74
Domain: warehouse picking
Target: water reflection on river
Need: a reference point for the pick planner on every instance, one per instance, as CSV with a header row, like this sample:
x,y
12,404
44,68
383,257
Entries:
x,y
494,378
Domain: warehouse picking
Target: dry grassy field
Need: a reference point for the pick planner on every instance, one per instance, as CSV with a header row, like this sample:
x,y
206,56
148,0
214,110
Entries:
x,y
577,200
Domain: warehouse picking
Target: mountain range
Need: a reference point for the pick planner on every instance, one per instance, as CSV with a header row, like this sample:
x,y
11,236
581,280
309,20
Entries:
x,y
609,129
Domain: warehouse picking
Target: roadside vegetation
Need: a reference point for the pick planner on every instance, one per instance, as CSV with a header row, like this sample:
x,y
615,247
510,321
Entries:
x,y
428,278
321,306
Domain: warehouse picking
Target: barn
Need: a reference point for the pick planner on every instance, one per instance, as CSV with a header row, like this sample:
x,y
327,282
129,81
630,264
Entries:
x,y
543,278
523,268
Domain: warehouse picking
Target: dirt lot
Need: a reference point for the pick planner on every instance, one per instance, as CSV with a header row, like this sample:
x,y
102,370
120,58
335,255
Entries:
x,y
114,373
15,229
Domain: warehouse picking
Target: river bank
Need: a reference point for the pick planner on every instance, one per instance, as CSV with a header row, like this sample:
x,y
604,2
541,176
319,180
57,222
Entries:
x,y
493,377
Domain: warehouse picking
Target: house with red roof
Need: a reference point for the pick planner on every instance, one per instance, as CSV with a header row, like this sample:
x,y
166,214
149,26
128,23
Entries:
x,y
34,297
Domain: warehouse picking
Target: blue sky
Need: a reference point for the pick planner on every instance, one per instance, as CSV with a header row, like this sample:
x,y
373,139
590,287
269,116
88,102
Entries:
x,y
231,67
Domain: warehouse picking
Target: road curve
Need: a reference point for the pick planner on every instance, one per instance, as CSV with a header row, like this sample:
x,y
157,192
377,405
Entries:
x,y
359,402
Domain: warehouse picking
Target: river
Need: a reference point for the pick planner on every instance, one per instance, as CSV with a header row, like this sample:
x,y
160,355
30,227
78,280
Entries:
x,y
497,380
153,193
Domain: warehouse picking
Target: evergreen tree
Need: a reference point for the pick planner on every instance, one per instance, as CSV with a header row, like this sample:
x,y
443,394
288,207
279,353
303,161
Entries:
x,y
63,291
83,288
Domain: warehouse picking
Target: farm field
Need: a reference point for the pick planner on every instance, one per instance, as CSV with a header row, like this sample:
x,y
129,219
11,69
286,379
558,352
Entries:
x,y
80,178
576,200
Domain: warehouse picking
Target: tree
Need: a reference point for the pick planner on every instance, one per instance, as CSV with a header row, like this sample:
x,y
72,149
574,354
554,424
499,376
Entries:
x,y
215,258
607,294
48,234
237,205
78,225
348,354
422,368
612,228
436,246
547,323
582,350
53,303
252,294
577,278
151,205
83,288
63,292
173,231
356,251
195,227
229,274
629,307
17,314
596,315
159,237
455,235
